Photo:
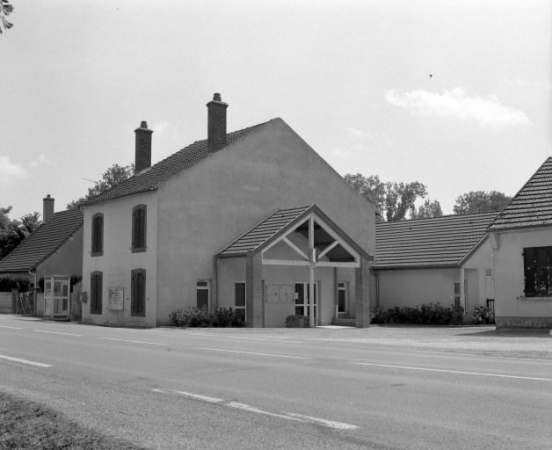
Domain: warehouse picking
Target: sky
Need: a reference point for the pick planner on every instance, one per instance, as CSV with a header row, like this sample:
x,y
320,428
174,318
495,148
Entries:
x,y
453,94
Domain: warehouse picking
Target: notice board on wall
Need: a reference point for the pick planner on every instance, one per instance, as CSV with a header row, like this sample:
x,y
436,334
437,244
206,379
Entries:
x,y
280,293
116,298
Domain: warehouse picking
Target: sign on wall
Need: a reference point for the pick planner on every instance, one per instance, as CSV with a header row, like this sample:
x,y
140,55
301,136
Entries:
x,y
280,293
115,296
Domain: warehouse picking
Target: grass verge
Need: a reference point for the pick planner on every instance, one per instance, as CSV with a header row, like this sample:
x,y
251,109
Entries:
x,y
26,425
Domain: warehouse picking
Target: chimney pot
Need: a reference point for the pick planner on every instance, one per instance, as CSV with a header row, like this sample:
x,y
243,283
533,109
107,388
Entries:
x,y
216,123
142,155
47,209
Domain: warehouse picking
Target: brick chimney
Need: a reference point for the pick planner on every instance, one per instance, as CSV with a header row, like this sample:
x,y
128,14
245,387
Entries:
x,y
216,124
142,156
47,209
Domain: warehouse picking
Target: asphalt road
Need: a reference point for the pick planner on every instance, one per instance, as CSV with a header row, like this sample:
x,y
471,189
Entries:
x,y
283,389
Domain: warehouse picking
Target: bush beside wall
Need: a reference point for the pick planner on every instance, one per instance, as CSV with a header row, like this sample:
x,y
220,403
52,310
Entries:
x,y
427,314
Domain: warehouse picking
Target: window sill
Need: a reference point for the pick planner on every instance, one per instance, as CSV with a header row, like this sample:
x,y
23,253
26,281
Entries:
x,y
138,250
537,299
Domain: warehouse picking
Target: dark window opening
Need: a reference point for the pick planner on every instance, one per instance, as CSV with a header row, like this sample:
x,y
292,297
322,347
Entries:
x,y
138,293
139,224
538,271
96,287
97,235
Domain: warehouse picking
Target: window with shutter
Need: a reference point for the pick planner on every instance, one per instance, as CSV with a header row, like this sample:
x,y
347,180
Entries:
x,y
538,271
138,293
97,235
139,224
96,288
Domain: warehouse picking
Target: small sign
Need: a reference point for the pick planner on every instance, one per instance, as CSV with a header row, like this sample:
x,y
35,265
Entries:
x,y
116,297
280,293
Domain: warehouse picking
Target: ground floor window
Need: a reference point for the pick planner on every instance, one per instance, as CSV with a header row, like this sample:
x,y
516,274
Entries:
x,y
538,271
239,300
202,295
341,297
96,287
138,293
302,299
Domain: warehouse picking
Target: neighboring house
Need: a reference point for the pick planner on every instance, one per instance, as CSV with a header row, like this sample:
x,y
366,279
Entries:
x,y
446,260
255,220
521,236
54,248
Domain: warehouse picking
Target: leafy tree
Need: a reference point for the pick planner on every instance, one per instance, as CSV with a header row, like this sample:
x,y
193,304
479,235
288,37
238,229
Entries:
x,y
5,10
428,209
476,202
113,176
12,232
397,199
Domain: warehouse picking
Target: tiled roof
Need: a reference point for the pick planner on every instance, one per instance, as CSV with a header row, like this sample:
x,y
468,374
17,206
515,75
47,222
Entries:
x,y
259,234
150,179
43,242
434,242
532,205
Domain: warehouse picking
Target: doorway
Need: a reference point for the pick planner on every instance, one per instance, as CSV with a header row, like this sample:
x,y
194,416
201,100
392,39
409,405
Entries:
x,y
302,300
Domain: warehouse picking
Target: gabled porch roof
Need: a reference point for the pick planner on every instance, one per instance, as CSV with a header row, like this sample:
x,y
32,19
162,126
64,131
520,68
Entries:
x,y
327,239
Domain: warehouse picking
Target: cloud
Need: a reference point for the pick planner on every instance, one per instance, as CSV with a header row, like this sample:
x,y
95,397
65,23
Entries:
x,y
528,83
10,172
456,103
41,160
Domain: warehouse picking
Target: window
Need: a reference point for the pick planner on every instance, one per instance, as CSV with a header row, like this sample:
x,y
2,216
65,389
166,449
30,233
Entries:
x,y
97,234
96,290
457,294
239,300
139,224
138,293
202,295
538,271
341,297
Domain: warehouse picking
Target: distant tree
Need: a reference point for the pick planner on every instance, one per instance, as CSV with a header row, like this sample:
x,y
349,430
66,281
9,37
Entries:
x,y
113,176
428,209
5,10
396,199
476,202
12,232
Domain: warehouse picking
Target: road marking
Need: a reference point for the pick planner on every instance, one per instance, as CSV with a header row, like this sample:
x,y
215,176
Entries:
x,y
24,361
253,409
134,342
327,423
204,398
250,353
57,332
11,328
459,372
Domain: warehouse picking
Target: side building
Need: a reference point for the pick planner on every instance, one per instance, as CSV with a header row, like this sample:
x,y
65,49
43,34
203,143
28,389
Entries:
x,y
521,236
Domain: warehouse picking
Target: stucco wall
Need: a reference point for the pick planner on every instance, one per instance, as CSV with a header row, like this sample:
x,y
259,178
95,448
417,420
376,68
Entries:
x,y
118,260
512,309
416,287
207,206
67,260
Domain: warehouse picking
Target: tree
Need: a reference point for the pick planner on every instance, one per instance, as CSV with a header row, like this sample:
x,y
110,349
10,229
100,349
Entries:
x,y
428,209
113,176
12,232
476,202
396,199
5,10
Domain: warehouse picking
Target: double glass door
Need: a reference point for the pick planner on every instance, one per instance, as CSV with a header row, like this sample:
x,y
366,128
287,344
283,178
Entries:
x,y
303,299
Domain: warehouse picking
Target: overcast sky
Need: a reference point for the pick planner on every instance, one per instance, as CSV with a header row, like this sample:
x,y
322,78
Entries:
x,y
454,94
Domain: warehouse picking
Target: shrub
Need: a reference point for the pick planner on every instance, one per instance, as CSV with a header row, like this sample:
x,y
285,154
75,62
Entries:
x,y
201,318
482,315
428,314
8,284
297,321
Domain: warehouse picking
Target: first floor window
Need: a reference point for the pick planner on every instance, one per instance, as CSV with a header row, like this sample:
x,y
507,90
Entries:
x,y
97,234
138,293
96,287
202,295
139,228
239,300
538,271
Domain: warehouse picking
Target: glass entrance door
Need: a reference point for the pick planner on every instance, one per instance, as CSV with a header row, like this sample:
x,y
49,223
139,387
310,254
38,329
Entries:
x,y
302,299
56,296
